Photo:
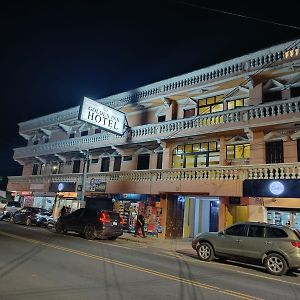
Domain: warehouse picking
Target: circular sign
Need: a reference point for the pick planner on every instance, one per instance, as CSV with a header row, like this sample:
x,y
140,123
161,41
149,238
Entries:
x,y
60,187
276,188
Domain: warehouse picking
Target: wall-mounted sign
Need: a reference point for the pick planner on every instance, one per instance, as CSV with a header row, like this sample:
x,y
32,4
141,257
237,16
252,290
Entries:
x,y
62,187
283,188
96,185
101,115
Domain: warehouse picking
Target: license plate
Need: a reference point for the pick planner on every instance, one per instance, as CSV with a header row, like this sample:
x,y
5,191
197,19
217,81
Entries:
x,y
115,223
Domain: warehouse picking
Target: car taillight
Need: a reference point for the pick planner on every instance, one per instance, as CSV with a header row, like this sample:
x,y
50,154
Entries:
x,y
122,221
104,218
296,244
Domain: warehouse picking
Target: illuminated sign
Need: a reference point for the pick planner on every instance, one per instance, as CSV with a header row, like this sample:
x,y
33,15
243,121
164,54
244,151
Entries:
x,y
280,188
62,187
103,116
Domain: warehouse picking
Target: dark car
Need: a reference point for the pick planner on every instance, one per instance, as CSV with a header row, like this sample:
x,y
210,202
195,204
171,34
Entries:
x,y
277,247
31,216
92,223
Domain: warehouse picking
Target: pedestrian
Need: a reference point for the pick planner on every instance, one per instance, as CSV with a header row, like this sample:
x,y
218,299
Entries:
x,y
63,211
140,222
68,210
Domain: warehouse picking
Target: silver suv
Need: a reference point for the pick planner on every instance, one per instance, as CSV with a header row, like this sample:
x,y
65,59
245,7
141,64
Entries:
x,y
275,247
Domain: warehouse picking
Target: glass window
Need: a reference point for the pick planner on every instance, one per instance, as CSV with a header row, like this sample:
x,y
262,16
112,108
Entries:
x,y
202,102
238,230
95,160
196,147
77,212
256,231
273,232
204,147
188,148
177,161
211,100
216,108
72,135
161,118
84,133
190,161
212,146
180,149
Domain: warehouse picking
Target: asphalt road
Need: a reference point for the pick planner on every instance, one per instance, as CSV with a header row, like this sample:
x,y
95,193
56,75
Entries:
x,y
36,263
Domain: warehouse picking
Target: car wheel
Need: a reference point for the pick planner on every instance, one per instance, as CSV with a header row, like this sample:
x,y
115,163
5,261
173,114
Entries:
x,y
205,251
275,264
89,232
28,222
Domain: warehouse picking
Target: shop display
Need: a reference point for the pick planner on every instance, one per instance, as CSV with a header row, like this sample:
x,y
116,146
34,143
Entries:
x,y
129,211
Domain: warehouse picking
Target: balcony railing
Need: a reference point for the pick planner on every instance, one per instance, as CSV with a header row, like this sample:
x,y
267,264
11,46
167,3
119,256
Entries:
x,y
229,119
262,171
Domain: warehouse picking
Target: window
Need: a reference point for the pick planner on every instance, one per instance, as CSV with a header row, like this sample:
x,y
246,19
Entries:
x,y
196,155
233,104
84,133
238,230
256,231
89,213
210,105
298,149
97,130
273,232
240,151
127,157
188,113
105,164
72,135
117,163
76,166
274,152
159,160
54,168
161,118
35,142
95,160
271,96
35,168
77,212
295,91
143,161
46,140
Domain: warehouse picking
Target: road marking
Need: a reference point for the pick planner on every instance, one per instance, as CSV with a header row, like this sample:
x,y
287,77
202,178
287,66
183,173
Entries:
x,y
218,265
137,268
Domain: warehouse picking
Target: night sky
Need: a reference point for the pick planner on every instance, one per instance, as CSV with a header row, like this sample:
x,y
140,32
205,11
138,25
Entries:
x,y
53,53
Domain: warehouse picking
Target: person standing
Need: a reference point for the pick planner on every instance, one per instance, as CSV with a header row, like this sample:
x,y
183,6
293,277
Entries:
x,y
140,223
63,211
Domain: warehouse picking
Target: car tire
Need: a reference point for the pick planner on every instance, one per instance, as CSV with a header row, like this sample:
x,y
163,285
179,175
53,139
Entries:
x,y
89,232
205,251
275,264
28,222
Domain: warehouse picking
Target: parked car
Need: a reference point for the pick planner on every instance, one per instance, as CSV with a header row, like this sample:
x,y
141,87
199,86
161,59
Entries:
x,y
276,247
10,208
31,216
92,223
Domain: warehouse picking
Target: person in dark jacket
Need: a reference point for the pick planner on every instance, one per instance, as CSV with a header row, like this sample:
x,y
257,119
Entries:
x,y
63,211
140,222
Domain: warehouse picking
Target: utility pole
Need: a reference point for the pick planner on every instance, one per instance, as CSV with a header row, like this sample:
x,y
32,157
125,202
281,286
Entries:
x,y
86,154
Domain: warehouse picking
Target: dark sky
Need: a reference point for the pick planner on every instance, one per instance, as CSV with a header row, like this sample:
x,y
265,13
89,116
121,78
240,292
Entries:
x,y
55,52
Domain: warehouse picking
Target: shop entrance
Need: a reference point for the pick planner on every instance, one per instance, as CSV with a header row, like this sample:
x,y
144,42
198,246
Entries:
x,y
200,215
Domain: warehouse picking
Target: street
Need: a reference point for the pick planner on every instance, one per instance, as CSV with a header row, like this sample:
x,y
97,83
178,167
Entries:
x,y
37,263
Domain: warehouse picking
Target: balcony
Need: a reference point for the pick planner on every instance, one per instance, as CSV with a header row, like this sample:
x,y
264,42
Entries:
x,y
215,181
263,115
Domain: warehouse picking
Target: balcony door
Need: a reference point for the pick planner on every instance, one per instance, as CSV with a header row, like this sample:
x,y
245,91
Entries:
x,y
274,152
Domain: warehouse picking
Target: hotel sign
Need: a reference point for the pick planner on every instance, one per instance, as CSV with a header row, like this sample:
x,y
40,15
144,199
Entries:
x,y
103,116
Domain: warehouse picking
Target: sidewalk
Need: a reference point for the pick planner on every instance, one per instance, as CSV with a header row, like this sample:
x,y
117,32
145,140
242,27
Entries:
x,y
169,244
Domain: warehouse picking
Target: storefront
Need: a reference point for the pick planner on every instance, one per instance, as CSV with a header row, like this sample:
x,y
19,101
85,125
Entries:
x,y
279,200
130,205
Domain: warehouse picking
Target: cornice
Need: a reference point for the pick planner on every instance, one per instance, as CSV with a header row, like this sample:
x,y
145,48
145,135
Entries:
x,y
243,64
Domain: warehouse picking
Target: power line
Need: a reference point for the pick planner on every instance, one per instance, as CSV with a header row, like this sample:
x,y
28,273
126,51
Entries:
x,y
238,15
